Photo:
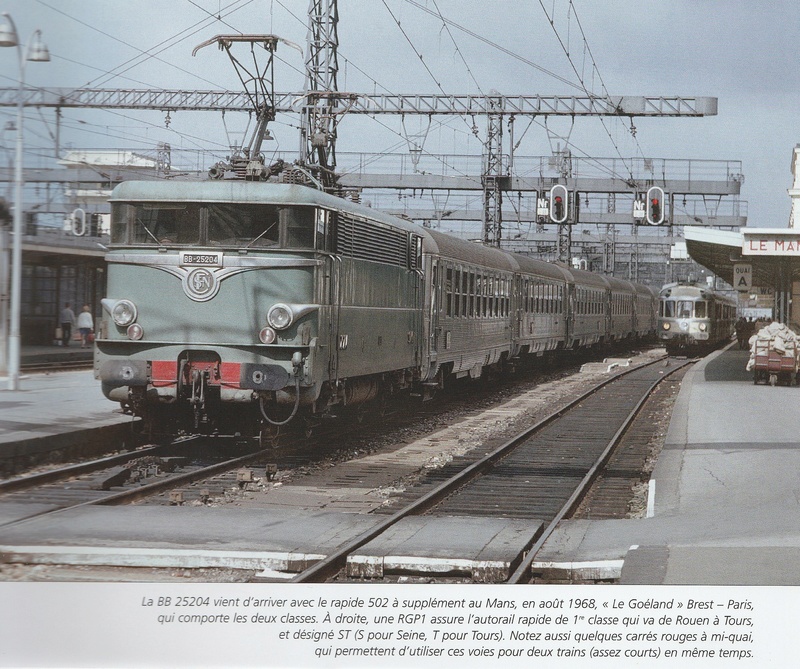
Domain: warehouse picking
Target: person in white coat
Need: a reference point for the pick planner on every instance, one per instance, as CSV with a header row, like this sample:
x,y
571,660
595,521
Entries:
x,y
85,324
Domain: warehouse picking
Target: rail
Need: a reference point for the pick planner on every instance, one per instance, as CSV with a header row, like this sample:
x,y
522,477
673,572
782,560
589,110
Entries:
x,y
328,567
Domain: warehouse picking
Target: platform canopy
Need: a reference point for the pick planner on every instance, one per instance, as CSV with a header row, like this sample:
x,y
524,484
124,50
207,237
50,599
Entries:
x,y
771,256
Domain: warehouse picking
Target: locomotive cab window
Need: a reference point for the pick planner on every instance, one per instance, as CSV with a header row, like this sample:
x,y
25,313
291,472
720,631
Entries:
x,y
156,224
238,225
683,309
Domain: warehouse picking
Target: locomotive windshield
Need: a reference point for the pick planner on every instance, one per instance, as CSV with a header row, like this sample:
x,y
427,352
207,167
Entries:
x,y
212,224
683,309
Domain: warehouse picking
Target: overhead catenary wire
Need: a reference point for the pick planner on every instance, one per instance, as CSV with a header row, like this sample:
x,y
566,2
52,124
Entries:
x,y
168,43
419,55
595,68
496,46
125,43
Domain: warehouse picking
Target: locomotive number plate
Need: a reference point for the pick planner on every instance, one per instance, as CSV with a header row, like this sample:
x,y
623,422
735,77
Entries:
x,y
201,259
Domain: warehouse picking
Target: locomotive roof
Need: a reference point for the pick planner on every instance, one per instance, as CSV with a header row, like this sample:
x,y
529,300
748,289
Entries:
x,y
692,291
255,192
247,192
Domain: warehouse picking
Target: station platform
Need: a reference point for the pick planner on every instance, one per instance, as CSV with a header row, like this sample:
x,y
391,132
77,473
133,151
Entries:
x,y
723,508
725,492
40,355
54,410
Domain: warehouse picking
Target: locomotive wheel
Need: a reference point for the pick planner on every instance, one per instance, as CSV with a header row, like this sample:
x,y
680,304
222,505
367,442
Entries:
x,y
309,426
268,436
359,413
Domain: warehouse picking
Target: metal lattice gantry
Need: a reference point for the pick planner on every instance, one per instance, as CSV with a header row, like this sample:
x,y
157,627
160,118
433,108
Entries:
x,y
318,116
321,107
356,103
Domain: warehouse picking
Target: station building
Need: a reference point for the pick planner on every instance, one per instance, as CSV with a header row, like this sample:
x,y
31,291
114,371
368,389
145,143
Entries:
x,y
57,267
757,262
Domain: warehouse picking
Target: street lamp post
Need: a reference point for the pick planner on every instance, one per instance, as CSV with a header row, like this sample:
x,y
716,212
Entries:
x,y
36,52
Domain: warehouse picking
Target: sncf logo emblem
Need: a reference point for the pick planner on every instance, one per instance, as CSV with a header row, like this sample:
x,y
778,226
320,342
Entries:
x,y
343,339
200,284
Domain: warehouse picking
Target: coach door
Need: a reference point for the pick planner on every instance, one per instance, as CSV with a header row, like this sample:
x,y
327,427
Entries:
x,y
432,329
334,270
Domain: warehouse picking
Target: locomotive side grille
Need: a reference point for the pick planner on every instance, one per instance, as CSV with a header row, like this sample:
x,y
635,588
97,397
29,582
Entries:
x,y
366,241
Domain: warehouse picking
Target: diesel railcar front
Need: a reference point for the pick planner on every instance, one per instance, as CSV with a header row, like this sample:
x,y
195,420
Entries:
x,y
693,319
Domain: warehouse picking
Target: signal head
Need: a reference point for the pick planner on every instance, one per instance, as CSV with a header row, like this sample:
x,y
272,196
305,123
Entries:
x,y
559,203
655,212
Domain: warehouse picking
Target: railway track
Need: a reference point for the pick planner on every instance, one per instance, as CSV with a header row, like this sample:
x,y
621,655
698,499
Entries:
x,y
542,473
55,366
118,479
85,484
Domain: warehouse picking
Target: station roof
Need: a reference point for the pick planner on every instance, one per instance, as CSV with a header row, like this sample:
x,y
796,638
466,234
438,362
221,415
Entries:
x,y
772,252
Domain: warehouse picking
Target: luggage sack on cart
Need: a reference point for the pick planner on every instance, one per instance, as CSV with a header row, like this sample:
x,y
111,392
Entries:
x,y
774,367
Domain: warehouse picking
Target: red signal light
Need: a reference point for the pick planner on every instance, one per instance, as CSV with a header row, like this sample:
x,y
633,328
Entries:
x,y
654,213
559,198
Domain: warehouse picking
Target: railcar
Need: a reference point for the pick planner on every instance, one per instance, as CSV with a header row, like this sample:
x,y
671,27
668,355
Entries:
x,y
236,306
694,318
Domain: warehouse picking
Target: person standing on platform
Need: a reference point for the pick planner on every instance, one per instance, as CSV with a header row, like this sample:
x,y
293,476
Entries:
x,y
85,324
67,320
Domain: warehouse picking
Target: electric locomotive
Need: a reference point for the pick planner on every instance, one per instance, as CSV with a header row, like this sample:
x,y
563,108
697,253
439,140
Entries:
x,y
237,306
693,318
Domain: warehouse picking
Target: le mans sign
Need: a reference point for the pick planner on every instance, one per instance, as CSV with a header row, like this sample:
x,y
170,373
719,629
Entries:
x,y
771,245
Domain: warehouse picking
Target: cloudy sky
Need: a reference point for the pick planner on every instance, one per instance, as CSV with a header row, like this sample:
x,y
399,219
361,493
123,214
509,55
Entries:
x,y
741,52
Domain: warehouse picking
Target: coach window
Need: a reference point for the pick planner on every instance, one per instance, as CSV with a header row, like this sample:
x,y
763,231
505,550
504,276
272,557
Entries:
x,y
457,292
464,292
458,297
471,291
700,310
527,298
448,291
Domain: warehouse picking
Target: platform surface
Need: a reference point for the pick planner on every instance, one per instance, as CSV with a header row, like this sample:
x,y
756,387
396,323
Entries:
x,y
54,403
727,491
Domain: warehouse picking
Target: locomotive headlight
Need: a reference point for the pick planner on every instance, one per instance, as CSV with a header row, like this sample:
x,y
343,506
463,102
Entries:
x,y
267,335
279,317
135,332
702,327
124,313
665,325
